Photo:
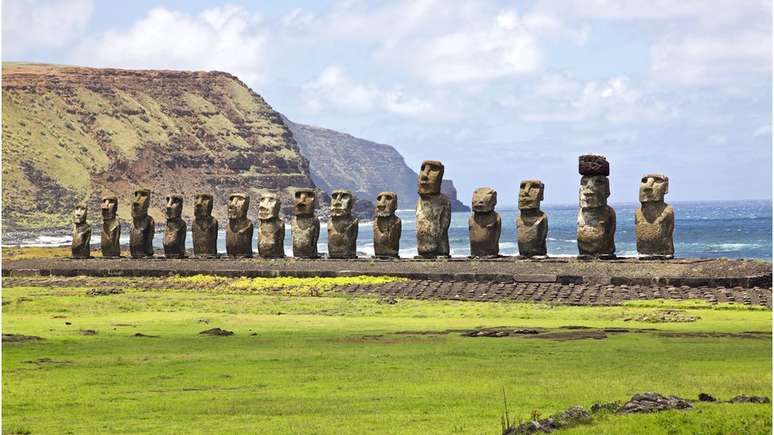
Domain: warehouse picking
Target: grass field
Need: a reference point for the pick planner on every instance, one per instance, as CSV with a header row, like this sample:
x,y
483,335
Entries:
x,y
331,364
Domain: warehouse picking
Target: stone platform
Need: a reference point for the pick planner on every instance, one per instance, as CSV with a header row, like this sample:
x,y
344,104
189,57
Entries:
x,y
691,273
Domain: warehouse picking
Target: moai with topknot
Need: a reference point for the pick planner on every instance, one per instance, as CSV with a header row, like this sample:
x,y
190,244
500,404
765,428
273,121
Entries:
x,y
484,224
239,232
174,234
271,227
305,227
342,226
532,223
654,220
433,212
205,227
81,245
387,226
143,227
596,220
110,242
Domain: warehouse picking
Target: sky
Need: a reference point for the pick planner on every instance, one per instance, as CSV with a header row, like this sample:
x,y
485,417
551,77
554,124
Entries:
x,y
499,91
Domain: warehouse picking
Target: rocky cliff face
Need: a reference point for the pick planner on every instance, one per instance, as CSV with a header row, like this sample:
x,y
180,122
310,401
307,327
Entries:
x,y
339,160
73,134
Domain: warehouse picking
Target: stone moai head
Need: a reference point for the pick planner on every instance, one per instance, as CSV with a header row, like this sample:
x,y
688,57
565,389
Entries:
x,y
269,206
203,205
109,207
386,204
430,177
595,186
484,200
140,203
238,204
174,206
80,214
305,201
530,194
341,202
653,187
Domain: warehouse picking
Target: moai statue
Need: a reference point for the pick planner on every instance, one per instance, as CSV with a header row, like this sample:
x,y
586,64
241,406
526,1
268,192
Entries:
x,y
532,223
81,246
111,228
387,226
484,224
596,220
655,220
174,235
433,212
271,228
305,227
205,227
143,226
342,226
239,232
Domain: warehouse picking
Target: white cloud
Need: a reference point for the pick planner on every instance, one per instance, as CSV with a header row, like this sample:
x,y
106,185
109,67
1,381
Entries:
x,y
763,131
30,24
227,38
706,10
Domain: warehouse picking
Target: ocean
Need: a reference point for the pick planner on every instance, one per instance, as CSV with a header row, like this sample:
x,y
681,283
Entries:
x,y
711,229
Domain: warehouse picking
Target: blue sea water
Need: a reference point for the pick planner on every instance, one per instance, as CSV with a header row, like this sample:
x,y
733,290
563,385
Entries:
x,y
731,229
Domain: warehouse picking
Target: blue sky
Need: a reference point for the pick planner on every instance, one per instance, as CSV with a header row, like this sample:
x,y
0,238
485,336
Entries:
x,y
499,91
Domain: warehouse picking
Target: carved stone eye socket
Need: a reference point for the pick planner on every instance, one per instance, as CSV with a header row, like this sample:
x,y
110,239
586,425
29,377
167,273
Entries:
x,y
523,185
644,180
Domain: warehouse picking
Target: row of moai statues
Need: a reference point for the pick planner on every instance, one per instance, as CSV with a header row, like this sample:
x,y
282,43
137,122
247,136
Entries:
x,y
596,221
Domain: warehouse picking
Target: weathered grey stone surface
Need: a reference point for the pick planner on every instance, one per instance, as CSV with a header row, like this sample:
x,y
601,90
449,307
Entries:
x,y
143,227
205,227
271,227
532,223
342,226
596,220
654,220
433,212
305,227
111,228
239,232
174,234
484,224
80,247
387,226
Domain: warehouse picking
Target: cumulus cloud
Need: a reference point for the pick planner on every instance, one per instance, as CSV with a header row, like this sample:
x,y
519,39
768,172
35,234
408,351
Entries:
x,y
226,38
31,24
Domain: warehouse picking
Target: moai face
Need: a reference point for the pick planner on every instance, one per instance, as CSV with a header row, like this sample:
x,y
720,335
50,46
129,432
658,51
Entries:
x,y
268,206
79,215
109,207
140,203
594,191
386,204
237,205
341,203
305,201
484,200
530,194
653,187
174,206
203,205
430,177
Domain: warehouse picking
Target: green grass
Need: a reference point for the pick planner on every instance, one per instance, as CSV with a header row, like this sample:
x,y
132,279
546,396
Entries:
x,y
339,365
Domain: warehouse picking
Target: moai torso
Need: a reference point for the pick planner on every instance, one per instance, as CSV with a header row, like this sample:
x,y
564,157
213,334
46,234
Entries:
x,y
205,227
271,228
654,220
433,212
484,224
305,227
532,223
143,227
596,220
342,226
111,228
387,236
174,234
81,245
239,232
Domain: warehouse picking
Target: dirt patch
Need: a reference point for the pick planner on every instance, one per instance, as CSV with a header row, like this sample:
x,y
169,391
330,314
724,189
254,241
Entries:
x,y
48,362
87,332
501,332
715,335
104,291
217,332
663,316
140,334
571,335
446,332
19,338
